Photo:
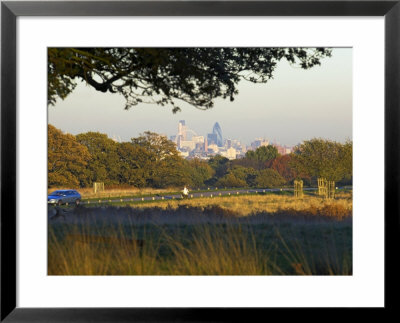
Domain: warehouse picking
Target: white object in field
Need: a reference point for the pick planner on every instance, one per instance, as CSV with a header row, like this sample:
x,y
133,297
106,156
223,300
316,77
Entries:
x,y
98,187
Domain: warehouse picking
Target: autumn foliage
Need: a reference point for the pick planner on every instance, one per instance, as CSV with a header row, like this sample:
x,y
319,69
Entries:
x,y
153,161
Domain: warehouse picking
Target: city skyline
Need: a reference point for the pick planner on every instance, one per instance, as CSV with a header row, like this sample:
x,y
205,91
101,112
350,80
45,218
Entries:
x,y
294,106
118,138
204,146
193,145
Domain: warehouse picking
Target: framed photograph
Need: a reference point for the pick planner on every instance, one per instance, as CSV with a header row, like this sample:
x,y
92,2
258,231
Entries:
x,y
201,160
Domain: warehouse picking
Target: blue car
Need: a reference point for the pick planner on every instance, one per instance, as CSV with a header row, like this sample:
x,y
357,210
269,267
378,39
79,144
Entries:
x,y
60,197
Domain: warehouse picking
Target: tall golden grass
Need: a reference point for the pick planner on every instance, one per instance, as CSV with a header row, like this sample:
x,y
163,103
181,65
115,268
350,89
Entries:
x,y
233,247
254,204
88,255
218,250
212,250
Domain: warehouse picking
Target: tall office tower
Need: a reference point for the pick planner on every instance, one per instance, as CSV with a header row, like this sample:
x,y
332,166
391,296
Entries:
x,y
212,138
218,132
182,129
181,135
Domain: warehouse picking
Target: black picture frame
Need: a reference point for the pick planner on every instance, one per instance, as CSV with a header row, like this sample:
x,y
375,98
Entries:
x,y
11,10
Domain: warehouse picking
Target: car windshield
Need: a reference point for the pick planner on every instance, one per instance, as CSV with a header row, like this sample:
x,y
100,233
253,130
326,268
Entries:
x,y
57,193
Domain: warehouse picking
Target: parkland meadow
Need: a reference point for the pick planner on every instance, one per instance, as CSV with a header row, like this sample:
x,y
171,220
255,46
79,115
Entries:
x,y
269,234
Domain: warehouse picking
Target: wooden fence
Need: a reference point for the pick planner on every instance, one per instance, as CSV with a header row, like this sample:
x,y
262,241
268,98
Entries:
x,y
326,188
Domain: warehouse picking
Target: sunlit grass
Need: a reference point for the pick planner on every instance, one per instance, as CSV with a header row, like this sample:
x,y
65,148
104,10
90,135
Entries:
x,y
218,250
88,193
90,250
209,250
309,236
270,203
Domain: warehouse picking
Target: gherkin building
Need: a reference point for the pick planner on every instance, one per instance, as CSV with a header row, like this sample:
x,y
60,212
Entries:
x,y
218,132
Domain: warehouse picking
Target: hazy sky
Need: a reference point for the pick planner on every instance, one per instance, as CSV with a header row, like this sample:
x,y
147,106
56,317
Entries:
x,y
295,105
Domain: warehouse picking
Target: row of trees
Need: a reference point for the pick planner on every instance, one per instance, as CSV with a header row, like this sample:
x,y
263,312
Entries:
x,y
151,160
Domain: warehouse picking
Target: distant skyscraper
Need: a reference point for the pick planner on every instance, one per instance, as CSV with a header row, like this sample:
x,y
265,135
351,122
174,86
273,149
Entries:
x,y
212,138
218,132
181,135
182,129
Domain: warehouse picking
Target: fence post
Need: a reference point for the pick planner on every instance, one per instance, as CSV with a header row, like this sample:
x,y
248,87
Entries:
x,y
326,188
298,188
323,187
331,190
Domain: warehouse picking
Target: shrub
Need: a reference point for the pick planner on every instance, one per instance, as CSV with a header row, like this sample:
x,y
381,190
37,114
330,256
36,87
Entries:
x,y
230,180
268,178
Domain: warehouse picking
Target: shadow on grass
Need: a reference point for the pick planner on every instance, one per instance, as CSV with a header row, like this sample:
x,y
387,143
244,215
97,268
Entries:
x,y
200,241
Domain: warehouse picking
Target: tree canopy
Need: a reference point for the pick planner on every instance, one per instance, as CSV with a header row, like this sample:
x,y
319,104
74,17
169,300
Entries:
x,y
104,159
66,159
283,165
324,158
238,176
169,75
269,178
166,166
262,154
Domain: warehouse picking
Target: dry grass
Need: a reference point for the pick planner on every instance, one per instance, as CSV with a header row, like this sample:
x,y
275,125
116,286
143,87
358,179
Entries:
x,y
117,192
86,253
211,250
202,250
112,244
219,250
254,204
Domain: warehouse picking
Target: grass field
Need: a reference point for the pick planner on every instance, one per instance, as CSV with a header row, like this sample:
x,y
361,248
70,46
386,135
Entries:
x,y
238,235
129,191
270,203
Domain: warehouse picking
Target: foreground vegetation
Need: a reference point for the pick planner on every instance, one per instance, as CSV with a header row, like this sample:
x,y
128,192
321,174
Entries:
x,y
248,235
